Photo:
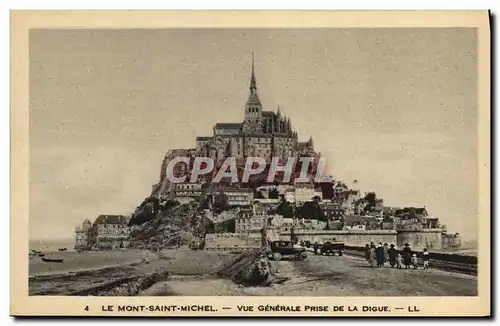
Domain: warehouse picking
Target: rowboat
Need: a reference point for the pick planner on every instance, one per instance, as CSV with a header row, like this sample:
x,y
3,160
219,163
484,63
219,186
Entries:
x,y
53,260
41,254
63,249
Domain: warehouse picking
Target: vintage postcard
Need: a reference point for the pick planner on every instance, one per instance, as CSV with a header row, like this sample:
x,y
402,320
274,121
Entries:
x,y
250,163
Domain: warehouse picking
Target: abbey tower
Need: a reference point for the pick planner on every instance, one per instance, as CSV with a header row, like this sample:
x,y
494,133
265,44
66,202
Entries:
x,y
264,134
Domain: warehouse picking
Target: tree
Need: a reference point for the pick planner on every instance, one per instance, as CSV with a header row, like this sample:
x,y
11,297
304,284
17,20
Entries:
x,y
258,194
370,199
310,210
285,209
169,204
228,226
221,202
147,211
274,194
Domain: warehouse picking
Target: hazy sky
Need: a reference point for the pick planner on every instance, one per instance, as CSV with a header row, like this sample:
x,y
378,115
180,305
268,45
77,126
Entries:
x,y
395,109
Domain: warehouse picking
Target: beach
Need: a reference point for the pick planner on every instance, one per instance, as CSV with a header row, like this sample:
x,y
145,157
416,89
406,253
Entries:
x,y
186,272
81,271
87,260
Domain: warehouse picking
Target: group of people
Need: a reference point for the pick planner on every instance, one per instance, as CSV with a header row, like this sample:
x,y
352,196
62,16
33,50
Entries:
x,y
378,255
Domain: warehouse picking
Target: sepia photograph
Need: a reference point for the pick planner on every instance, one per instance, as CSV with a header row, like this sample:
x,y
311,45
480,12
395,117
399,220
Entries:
x,y
254,162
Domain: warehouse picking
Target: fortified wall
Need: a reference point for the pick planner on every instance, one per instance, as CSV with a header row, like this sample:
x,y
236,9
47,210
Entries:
x,y
349,237
426,238
418,240
217,241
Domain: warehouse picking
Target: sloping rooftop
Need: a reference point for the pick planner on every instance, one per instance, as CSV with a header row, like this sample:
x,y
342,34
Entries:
x,y
238,190
268,114
110,219
229,125
350,220
253,99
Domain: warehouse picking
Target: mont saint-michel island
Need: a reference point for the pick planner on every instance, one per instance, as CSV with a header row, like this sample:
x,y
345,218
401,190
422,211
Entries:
x,y
253,209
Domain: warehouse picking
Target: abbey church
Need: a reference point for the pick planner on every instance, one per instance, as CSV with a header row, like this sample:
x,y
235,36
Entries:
x,y
264,134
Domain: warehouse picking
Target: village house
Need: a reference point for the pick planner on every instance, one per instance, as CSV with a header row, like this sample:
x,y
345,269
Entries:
x,y
407,225
388,223
224,215
349,204
332,211
413,219
290,194
283,224
186,191
248,223
355,227
334,225
82,234
110,232
239,196
430,223
267,201
269,191
340,191
353,222
311,224
303,192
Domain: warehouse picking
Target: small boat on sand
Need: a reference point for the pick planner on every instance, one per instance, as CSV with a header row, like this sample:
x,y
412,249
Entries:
x,y
36,251
41,254
52,260
63,249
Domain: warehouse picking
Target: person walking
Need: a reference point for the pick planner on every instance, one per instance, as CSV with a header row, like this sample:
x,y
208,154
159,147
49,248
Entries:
x,y
386,252
373,256
367,252
414,261
425,255
392,252
407,255
399,261
380,255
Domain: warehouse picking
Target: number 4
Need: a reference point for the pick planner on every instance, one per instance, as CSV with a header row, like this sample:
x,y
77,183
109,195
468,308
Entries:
x,y
86,308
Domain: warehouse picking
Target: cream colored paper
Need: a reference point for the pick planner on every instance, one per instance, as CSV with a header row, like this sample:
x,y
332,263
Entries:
x,y
22,22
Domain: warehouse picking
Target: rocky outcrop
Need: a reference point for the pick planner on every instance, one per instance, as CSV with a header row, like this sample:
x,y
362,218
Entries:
x,y
251,268
180,225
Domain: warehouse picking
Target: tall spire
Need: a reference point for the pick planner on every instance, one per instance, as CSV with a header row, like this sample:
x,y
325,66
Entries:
x,y
253,82
253,98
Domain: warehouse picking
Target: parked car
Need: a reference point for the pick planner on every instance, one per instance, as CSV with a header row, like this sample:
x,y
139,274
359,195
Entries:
x,y
280,249
330,248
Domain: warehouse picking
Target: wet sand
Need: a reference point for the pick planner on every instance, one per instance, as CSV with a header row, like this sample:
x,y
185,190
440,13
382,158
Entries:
x,y
192,273
85,270
77,261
